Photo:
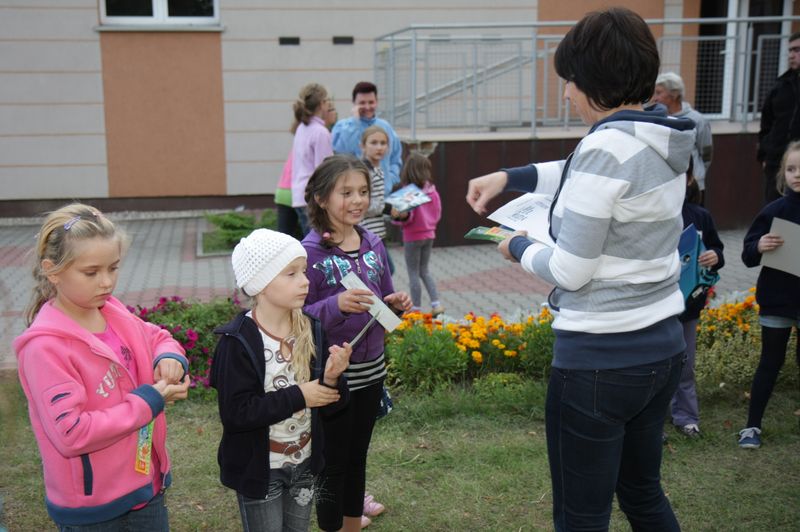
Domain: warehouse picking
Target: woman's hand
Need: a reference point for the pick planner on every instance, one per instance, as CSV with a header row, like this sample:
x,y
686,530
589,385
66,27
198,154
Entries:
x,y
708,259
355,300
769,242
316,394
503,246
399,300
338,360
169,370
481,190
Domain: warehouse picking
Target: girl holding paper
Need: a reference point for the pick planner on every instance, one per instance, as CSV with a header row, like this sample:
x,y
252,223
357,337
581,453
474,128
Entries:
x,y
777,294
338,195
616,221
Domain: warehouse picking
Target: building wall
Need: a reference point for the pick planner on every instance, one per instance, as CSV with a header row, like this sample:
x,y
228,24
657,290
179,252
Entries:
x,y
262,78
163,102
52,130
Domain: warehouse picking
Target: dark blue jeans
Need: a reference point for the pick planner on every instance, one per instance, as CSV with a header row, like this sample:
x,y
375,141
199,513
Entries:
x,y
604,435
153,517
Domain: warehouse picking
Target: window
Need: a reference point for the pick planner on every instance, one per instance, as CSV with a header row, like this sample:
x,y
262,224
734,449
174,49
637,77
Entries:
x,y
155,12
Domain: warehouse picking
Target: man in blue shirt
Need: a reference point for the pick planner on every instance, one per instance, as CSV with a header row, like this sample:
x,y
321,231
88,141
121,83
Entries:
x,y
347,133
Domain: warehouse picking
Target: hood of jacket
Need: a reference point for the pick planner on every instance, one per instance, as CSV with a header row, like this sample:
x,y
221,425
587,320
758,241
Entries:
x,y
52,322
672,137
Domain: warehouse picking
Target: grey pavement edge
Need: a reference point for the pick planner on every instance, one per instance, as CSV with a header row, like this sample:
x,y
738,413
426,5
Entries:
x,y
163,260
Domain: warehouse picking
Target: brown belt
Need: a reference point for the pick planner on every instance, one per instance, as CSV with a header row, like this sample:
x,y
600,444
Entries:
x,y
290,447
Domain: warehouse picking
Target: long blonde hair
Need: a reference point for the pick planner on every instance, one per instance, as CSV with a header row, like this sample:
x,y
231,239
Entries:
x,y
55,242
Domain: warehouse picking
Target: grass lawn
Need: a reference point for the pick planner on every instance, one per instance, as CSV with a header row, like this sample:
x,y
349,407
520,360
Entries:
x,y
451,460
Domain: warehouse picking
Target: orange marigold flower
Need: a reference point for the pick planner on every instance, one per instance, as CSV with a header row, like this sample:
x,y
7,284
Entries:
x,y
477,357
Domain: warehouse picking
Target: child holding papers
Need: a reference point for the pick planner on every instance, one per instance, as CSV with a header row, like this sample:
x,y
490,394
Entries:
x,y
684,407
777,293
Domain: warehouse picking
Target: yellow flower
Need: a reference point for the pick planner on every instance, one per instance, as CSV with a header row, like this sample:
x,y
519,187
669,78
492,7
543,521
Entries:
x,y
477,357
510,353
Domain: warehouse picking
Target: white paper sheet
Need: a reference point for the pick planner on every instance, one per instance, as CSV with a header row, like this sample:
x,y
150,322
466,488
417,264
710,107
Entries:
x,y
385,316
787,257
530,213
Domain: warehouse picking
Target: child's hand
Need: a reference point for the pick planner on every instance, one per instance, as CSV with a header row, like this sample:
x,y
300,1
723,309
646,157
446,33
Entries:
x,y
355,300
316,394
503,247
173,392
399,300
338,360
168,369
708,259
769,242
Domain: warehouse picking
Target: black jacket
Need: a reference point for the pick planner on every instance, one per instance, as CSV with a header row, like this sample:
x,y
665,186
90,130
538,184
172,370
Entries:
x,y
777,292
780,118
247,411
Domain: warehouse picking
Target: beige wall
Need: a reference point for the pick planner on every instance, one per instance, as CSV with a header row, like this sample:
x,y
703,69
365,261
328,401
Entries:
x,y
262,79
52,133
163,96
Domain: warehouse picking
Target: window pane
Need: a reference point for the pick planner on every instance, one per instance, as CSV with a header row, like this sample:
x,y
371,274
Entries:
x,y
129,8
190,8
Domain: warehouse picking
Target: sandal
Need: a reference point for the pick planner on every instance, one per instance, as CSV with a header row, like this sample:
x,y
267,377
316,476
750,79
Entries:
x,y
372,508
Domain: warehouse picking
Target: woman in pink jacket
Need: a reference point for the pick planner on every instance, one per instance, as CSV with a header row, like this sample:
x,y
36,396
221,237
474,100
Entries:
x,y
419,230
97,379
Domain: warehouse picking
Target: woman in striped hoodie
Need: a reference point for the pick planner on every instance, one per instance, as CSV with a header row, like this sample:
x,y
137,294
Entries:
x,y
616,221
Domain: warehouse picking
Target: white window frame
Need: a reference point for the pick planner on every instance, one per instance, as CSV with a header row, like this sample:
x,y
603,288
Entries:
x,y
160,17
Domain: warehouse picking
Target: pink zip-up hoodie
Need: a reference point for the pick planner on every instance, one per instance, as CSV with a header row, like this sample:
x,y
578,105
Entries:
x,y
86,411
421,222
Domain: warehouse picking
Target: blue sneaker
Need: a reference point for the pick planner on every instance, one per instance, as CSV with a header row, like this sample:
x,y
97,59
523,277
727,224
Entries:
x,y
750,438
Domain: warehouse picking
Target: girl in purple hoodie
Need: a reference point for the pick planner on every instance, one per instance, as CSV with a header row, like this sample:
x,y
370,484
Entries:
x,y
338,195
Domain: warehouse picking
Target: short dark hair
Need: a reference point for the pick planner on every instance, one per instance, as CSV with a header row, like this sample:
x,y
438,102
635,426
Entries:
x,y
364,87
611,56
794,36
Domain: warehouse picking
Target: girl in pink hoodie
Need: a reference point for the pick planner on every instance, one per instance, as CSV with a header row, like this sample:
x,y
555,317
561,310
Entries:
x,y
96,378
419,230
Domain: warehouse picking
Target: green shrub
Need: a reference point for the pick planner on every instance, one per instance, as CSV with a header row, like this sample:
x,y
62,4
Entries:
x,y
233,226
192,323
418,359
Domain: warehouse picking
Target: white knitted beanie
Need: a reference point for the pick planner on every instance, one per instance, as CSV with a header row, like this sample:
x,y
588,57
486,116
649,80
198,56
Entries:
x,y
260,256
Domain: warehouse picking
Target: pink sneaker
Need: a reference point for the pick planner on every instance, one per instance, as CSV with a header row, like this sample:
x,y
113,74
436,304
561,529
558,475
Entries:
x,y
365,521
372,507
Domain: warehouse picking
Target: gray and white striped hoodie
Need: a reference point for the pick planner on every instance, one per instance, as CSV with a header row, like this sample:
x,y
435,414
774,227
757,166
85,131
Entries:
x,y
616,220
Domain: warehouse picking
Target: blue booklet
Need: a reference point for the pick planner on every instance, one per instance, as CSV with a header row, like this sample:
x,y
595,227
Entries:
x,y
695,279
407,198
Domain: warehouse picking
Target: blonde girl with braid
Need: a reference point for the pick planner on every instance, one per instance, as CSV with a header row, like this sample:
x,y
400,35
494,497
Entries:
x,y
275,375
97,379
312,143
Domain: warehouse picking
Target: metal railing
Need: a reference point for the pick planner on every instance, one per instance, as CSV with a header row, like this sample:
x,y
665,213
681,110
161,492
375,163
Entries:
x,y
494,76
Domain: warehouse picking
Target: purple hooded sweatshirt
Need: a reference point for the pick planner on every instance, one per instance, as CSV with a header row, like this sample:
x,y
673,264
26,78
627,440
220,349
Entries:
x,y
326,267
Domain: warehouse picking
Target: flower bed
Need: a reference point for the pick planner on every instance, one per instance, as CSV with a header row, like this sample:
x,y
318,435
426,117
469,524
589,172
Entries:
x,y
424,352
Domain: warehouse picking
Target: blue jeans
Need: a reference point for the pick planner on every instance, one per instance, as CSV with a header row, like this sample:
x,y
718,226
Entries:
x,y
287,506
604,430
302,219
152,517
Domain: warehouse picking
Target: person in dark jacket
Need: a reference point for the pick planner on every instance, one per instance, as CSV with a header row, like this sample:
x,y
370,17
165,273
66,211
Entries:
x,y
684,407
777,294
780,119
272,388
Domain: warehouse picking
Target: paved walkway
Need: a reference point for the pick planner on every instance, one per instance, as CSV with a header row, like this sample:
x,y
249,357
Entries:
x,y
163,261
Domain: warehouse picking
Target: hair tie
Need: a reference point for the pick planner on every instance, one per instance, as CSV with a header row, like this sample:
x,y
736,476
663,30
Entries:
x,y
326,235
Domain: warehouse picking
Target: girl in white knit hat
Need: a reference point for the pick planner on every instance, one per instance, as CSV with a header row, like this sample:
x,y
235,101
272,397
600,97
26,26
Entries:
x,y
275,375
